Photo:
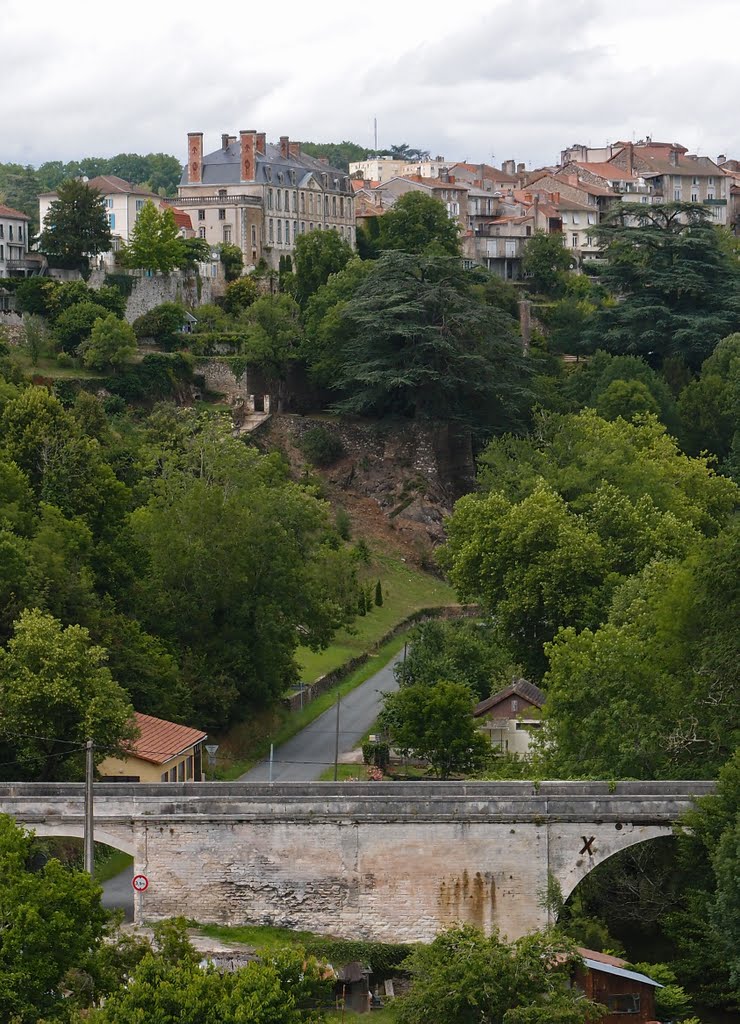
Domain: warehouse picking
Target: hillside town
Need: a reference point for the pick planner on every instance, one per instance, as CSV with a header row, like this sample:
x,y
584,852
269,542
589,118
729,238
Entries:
x,y
368,586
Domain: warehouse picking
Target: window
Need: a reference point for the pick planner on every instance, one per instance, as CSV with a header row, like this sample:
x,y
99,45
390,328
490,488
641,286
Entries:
x,y
710,194
20,231
2,252
589,240
677,195
165,777
268,173
254,237
514,704
227,233
201,232
181,771
201,214
222,193
303,227
280,177
280,232
310,226
10,229
694,181
310,202
279,199
2,230
333,206
111,221
287,232
710,181
303,202
591,218
644,199
269,199
574,240
528,230
271,234
341,206
287,200
627,1003
576,219
190,767
222,214
694,197
295,202
677,180
139,205
326,206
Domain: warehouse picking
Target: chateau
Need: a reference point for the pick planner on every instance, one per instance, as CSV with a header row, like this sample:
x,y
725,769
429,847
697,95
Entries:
x,y
260,196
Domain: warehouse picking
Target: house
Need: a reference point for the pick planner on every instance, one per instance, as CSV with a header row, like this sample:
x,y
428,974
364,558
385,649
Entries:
x,y
625,993
14,259
261,197
383,168
123,203
488,178
510,715
451,193
163,752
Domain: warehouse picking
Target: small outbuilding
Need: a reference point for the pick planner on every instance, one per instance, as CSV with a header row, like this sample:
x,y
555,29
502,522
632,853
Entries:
x,y
510,715
626,994
163,752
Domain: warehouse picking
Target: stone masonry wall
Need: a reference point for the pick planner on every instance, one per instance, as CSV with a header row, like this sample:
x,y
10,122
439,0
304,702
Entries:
x,y
187,289
387,861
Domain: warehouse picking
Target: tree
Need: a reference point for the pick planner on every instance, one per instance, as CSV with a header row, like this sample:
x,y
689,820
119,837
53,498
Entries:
x,y
326,329
170,987
163,324
232,259
665,665
155,243
56,694
436,723
418,222
420,345
273,333
192,252
234,572
240,294
546,261
679,289
34,337
34,295
710,406
111,343
318,254
76,225
378,595
75,324
626,398
462,977
51,920
469,652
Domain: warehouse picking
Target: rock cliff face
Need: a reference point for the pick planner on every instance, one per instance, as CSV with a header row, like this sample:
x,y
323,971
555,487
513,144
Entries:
x,y
397,475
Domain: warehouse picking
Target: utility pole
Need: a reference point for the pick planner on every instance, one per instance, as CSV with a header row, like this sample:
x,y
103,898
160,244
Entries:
x,y
336,745
89,831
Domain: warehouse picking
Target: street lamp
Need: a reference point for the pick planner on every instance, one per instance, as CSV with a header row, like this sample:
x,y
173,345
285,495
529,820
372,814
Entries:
x,y
211,749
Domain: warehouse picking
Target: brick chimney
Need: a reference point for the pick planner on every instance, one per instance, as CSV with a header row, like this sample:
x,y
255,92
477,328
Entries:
x,y
295,149
285,147
261,143
673,157
248,167
225,141
195,158
630,158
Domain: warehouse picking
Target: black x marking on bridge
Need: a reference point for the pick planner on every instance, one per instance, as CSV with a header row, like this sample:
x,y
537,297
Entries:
x,y
587,845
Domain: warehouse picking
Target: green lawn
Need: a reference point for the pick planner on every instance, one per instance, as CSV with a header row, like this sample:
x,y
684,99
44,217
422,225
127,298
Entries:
x,y
113,865
47,367
385,1015
261,937
406,589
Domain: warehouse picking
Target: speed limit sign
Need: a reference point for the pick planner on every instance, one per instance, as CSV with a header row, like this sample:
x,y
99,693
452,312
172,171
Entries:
x,y
140,882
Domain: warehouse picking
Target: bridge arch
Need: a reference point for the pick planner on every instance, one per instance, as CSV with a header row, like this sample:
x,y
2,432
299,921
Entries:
x,y
587,848
71,831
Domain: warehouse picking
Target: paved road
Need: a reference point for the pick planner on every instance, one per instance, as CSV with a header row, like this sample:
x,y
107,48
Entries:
x,y
118,892
311,751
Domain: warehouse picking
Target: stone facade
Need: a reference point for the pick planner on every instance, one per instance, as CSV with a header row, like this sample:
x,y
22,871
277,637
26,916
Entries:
x,y
386,861
149,291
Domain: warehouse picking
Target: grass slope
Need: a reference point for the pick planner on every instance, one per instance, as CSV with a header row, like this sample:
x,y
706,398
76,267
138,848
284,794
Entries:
x,y
406,589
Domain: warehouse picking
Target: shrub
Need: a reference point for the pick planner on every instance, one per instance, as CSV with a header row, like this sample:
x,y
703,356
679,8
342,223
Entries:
x,y
163,325
376,752
343,524
321,447
240,295
111,298
232,260
123,282
111,343
64,359
73,326
34,294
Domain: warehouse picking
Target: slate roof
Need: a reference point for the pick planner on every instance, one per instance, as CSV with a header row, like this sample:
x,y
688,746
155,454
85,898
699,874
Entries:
x,y
159,740
516,688
110,184
223,167
11,214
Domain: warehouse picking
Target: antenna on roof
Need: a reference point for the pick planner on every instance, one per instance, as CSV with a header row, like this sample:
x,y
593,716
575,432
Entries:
x,y
375,132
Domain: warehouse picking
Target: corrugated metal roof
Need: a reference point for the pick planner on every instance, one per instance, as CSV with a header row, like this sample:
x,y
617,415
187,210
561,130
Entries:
x,y
620,972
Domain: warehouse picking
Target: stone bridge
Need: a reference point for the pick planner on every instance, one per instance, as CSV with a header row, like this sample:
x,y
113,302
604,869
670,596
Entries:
x,y
391,861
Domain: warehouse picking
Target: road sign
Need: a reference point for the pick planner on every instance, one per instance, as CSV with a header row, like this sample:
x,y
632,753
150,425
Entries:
x,y
140,882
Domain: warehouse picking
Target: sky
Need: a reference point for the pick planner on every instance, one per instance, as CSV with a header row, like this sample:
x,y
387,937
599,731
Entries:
x,y
478,80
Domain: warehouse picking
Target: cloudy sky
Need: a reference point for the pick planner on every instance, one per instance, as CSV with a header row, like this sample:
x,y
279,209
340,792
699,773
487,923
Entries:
x,y
476,79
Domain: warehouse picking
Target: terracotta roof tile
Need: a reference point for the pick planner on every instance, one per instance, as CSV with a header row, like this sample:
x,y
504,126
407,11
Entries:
x,y
8,211
159,740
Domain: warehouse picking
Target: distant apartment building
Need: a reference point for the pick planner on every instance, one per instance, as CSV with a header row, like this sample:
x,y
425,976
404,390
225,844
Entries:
x,y
261,196
451,193
383,168
14,261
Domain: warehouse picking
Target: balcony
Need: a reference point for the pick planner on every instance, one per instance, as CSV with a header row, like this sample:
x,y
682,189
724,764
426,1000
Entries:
x,y
714,202
213,201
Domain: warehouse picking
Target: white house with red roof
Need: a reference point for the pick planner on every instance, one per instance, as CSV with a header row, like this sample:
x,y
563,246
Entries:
x,y
14,227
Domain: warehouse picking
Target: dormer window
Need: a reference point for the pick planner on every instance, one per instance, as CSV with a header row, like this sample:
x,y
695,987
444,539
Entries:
x,y
280,177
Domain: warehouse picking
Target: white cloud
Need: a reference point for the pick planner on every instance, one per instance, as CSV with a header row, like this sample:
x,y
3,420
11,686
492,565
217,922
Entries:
x,y
513,78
